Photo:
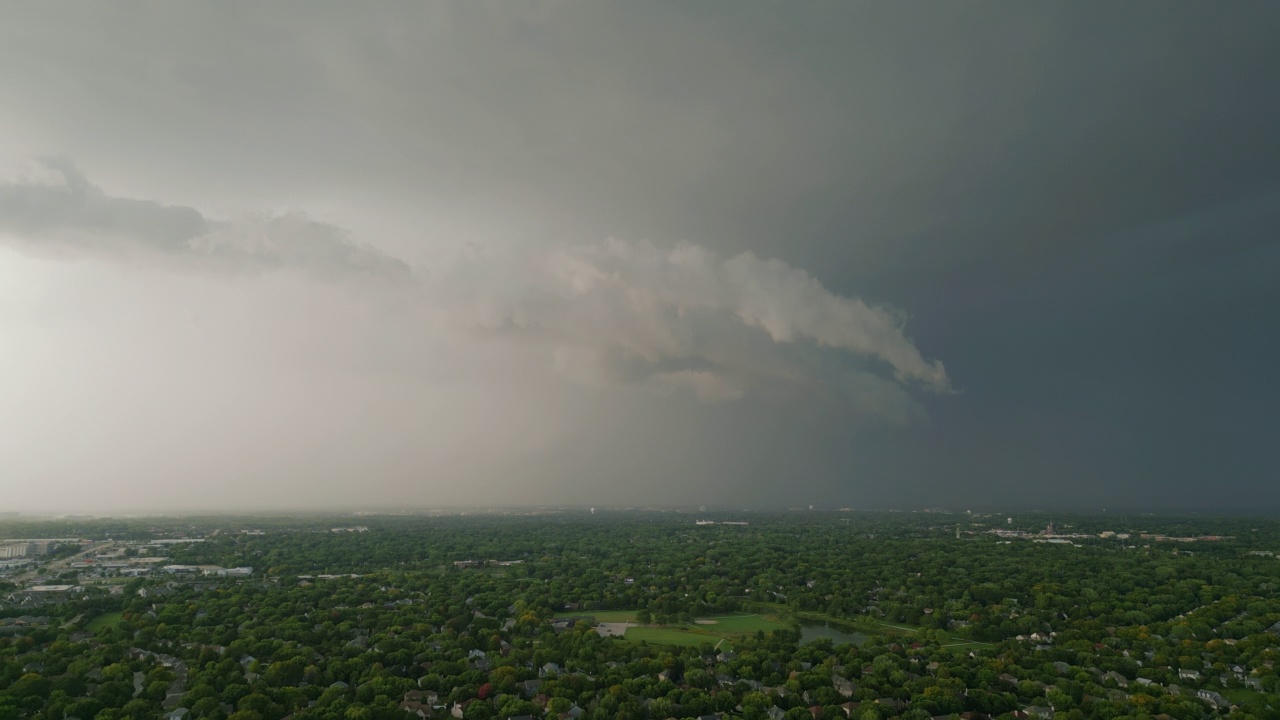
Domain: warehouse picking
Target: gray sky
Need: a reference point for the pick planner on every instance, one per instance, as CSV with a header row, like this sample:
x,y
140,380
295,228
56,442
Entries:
x,y
295,255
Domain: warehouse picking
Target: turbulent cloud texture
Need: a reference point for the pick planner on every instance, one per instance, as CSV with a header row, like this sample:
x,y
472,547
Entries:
x,y
683,319
50,205
688,318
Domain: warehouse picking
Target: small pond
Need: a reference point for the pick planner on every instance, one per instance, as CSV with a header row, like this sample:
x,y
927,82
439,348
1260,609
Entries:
x,y
810,631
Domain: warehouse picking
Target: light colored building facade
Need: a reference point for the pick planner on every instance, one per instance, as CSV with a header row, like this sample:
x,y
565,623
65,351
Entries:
x,y
17,549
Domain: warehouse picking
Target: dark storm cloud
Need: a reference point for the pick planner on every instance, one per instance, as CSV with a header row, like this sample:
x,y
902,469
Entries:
x,y
1069,203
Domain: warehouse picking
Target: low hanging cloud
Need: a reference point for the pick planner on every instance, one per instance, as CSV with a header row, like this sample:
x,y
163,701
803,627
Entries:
x,y
680,320
688,319
52,207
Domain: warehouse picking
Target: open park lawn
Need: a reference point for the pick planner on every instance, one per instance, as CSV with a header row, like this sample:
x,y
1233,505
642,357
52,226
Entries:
x,y
104,620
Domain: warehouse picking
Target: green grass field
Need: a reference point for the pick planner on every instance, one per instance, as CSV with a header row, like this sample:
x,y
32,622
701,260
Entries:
x,y
722,631
741,623
602,615
1247,699
104,620
679,635
726,628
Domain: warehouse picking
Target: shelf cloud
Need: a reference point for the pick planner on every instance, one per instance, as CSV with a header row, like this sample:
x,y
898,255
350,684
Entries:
x,y
51,206
679,319
686,317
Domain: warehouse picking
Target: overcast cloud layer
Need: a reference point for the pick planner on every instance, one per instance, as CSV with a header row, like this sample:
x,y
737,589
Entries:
x,y
473,253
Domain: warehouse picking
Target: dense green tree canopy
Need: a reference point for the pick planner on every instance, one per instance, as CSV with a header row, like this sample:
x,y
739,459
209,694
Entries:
x,y
466,617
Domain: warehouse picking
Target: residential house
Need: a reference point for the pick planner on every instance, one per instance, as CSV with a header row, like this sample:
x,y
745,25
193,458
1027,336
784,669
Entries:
x,y
1214,699
1119,679
416,708
844,686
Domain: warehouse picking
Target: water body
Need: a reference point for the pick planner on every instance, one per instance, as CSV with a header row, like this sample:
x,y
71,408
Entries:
x,y
810,631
